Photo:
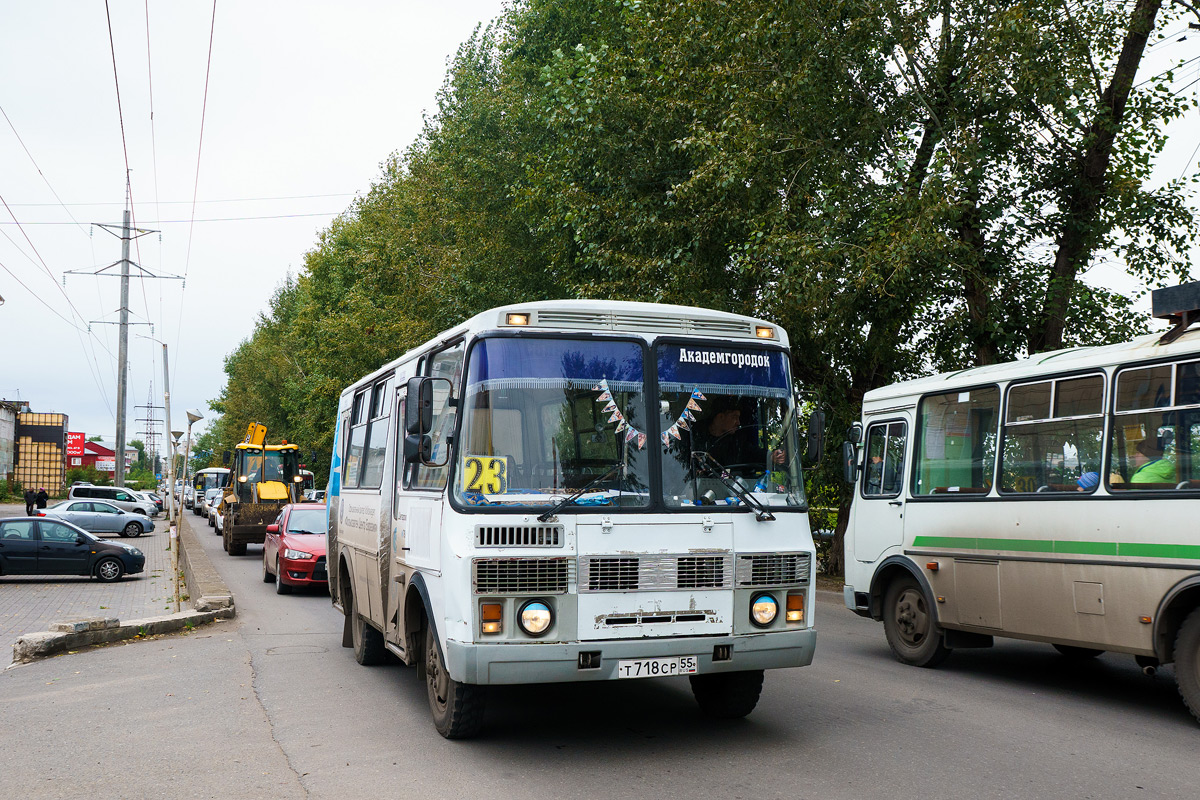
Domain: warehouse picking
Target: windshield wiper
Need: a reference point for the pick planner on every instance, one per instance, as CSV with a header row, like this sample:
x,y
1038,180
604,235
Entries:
x,y
578,493
702,459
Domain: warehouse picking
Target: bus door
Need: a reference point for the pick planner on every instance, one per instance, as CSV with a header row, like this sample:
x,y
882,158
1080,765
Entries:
x,y
879,507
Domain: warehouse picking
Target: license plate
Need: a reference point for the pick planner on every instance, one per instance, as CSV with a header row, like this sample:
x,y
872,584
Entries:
x,y
656,667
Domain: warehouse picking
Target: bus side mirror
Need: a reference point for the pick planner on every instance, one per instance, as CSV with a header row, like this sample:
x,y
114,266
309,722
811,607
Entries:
x,y
418,411
854,433
816,437
849,463
418,449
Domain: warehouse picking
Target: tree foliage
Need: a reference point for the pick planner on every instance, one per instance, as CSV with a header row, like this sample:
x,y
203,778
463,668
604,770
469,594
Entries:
x,y
904,185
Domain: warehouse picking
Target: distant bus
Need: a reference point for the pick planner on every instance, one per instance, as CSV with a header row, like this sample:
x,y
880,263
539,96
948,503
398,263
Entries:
x,y
576,491
1054,499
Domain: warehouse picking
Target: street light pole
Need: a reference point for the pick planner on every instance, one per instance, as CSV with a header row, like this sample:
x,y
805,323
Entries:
x,y
193,416
176,519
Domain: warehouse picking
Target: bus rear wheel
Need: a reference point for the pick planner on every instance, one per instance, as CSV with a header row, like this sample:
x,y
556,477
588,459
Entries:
x,y
912,633
727,695
457,708
1187,662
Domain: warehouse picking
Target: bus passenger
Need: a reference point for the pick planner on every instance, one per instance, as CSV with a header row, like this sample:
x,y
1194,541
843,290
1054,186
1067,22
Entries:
x,y
1087,481
1149,464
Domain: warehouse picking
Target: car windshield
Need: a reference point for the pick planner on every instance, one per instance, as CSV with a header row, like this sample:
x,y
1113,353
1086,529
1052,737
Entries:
x,y
545,417
307,520
727,416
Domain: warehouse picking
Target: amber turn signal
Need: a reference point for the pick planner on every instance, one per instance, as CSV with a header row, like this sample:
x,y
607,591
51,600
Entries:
x,y
490,615
932,566
795,607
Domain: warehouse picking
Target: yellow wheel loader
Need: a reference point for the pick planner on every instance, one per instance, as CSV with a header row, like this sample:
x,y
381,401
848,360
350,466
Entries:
x,y
263,478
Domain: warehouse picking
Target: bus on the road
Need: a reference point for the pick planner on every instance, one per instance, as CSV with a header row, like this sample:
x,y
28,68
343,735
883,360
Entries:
x,y
1054,499
576,491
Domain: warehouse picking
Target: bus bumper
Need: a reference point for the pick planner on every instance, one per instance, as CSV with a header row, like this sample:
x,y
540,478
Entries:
x,y
551,662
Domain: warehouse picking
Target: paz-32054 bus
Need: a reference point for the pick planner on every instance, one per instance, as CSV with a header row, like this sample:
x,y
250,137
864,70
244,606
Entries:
x,y
575,491
1055,499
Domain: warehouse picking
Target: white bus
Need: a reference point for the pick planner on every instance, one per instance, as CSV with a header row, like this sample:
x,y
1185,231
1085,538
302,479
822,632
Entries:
x,y
1054,499
202,481
576,491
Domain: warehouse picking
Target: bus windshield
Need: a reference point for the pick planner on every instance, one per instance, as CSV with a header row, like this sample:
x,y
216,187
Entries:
x,y
544,418
728,422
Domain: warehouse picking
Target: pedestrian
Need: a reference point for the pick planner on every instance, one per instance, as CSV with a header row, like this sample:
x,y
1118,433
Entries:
x,y
30,500
42,497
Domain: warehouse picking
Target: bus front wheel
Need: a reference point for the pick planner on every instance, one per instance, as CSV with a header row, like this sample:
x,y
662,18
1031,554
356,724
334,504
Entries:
x,y
457,707
912,633
727,695
1187,662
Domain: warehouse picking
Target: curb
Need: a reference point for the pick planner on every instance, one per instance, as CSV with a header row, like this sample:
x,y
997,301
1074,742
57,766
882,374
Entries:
x,y
211,600
75,634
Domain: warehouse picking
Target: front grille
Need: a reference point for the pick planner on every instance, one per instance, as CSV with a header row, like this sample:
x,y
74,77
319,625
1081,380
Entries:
x,y
612,574
772,569
701,572
654,572
520,575
519,536
319,573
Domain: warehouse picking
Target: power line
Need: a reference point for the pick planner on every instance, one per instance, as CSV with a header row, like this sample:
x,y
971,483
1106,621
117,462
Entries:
x,y
211,219
196,185
198,202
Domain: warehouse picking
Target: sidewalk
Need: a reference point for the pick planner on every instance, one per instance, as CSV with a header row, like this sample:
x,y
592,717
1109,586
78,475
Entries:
x,y
28,604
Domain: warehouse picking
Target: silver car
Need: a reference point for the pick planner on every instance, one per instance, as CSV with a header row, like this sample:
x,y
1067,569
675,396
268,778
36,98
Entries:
x,y
98,516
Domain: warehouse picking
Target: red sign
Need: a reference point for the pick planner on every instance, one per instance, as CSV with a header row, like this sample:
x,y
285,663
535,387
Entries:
x,y
75,444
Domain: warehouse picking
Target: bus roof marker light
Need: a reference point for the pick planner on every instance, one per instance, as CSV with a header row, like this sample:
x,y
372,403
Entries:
x,y
764,331
516,319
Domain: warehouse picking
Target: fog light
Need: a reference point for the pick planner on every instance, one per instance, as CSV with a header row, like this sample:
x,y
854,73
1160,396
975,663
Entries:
x,y
795,607
535,618
491,615
763,609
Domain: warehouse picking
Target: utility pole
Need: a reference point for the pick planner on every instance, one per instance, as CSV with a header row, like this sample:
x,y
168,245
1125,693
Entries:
x,y
123,352
127,235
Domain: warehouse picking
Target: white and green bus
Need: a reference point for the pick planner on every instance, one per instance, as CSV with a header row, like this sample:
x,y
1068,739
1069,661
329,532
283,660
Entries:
x,y
1053,499
576,491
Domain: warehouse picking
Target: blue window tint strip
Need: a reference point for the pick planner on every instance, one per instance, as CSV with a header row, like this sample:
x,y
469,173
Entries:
x,y
722,370
555,363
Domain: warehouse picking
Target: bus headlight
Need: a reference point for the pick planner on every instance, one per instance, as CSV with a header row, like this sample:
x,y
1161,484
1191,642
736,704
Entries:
x,y
763,609
535,618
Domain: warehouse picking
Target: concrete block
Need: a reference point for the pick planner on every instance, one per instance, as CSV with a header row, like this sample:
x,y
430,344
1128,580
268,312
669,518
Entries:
x,y
81,624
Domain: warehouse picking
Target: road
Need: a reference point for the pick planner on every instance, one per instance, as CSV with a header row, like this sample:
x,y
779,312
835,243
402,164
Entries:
x,y
276,707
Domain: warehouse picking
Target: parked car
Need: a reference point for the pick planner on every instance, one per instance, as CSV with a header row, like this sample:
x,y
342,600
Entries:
x,y
152,508
212,499
45,546
125,499
99,516
294,550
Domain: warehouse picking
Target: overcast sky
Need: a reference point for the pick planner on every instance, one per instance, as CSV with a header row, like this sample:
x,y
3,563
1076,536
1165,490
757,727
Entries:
x,y
304,101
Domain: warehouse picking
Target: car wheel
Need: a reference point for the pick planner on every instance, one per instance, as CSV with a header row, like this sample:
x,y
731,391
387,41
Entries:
x,y
132,529
141,511
267,576
912,632
109,569
727,695
457,708
280,586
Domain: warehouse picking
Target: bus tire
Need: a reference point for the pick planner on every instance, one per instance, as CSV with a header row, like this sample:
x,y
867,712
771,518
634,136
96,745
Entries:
x,y
727,695
1077,653
457,708
1187,662
366,641
912,632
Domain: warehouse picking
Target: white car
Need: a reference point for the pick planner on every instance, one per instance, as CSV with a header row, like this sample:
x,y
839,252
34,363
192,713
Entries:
x,y
212,499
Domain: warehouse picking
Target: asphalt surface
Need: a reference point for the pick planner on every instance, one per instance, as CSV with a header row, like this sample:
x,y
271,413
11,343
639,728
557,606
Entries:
x,y
270,705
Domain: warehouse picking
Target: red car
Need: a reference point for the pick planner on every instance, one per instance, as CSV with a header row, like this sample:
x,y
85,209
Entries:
x,y
294,550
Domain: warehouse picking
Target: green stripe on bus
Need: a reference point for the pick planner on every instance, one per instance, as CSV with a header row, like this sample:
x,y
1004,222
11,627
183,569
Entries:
x,y
1131,549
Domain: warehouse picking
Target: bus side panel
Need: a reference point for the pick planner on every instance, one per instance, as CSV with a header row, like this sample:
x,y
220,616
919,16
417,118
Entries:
x,y
1054,571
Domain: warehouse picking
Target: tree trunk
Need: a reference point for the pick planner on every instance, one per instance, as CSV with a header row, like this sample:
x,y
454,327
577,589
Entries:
x,y
1082,198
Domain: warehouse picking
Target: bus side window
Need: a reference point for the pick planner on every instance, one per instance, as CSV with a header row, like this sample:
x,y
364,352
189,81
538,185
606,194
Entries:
x,y
352,464
956,442
376,437
446,364
1155,429
400,473
883,473
1053,436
